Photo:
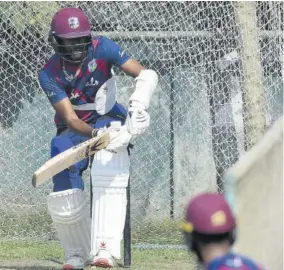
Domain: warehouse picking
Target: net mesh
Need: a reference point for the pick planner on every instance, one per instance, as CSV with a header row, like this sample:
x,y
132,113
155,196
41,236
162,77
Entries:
x,y
202,115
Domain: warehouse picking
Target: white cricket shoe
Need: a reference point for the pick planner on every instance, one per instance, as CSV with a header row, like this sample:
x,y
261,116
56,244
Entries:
x,y
103,259
74,263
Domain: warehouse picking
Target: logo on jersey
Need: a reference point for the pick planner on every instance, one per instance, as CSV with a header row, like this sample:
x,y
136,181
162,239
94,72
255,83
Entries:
x,y
92,82
121,53
74,96
73,22
234,263
50,94
92,65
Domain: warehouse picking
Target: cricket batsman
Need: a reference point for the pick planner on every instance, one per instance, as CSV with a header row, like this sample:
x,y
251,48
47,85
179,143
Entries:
x,y
210,230
80,84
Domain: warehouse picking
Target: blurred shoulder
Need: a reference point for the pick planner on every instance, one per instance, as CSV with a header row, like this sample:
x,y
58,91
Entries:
x,y
232,261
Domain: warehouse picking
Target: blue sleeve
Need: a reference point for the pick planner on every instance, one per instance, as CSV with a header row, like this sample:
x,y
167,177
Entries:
x,y
51,87
112,52
249,263
215,265
228,261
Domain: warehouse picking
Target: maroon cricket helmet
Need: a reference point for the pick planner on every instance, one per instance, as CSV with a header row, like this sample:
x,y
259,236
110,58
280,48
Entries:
x,y
209,214
70,34
70,23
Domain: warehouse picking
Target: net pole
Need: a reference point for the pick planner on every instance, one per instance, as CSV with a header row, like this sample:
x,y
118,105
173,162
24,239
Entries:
x,y
172,144
127,231
253,92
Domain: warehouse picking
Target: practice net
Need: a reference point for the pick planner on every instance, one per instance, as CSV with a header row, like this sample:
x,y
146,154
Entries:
x,y
220,67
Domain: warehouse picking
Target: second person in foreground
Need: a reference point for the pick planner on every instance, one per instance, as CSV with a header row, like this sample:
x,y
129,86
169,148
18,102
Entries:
x,y
210,231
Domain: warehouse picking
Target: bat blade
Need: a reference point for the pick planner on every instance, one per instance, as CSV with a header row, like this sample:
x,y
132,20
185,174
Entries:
x,y
68,158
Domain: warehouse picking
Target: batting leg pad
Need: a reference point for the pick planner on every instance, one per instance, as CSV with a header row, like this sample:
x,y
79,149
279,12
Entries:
x,y
70,214
110,174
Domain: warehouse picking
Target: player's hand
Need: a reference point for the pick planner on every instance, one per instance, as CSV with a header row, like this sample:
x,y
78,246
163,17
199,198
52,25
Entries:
x,y
119,137
138,119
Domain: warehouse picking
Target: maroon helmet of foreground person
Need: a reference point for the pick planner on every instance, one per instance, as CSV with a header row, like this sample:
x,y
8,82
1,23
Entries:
x,y
70,34
208,214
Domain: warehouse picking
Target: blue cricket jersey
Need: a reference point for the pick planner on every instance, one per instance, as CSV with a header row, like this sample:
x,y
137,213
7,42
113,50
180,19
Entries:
x,y
95,71
232,261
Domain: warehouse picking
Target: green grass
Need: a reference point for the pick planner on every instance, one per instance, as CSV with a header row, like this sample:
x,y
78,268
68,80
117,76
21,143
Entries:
x,y
47,255
157,232
33,225
44,256
39,226
12,250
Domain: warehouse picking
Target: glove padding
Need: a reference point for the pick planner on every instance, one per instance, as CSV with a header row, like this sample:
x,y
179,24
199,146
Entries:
x,y
119,137
138,119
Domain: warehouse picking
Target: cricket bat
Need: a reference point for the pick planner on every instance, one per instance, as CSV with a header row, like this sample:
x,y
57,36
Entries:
x,y
68,158
254,188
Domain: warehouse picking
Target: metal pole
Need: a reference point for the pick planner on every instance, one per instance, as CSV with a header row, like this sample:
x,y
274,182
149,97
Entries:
x,y
172,144
127,231
140,35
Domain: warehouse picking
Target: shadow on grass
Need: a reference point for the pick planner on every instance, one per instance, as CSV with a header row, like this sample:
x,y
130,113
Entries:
x,y
30,268
40,265
48,264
